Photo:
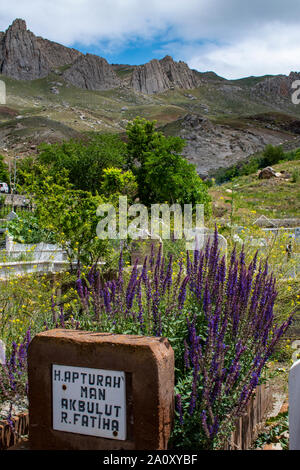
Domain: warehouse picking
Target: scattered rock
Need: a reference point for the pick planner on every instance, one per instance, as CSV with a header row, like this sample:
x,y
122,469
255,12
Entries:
x,y
54,90
267,173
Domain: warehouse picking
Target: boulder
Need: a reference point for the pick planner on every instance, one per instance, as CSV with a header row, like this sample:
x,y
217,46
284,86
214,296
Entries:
x,y
267,173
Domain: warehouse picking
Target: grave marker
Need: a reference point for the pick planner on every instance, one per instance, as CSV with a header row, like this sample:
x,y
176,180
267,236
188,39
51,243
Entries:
x,y
294,406
2,352
99,391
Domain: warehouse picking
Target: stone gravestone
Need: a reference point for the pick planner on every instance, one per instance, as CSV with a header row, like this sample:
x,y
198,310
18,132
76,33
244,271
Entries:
x,y
198,238
11,216
100,391
2,92
143,247
2,353
294,406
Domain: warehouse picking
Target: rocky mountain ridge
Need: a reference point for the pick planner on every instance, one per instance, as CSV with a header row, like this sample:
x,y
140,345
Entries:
x,y
222,121
158,76
24,56
92,72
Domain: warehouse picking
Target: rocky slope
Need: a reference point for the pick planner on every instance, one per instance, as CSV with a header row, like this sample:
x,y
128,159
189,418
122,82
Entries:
x,y
211,146
91,72
25,56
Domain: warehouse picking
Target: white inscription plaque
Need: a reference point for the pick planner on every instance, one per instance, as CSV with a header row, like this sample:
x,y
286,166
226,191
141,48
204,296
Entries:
x,y
89,401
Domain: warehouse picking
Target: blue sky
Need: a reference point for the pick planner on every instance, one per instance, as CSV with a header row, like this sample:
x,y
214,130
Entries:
x,y
234,38
135,52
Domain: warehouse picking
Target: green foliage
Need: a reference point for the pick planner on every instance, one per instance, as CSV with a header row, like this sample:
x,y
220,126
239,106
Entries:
x,y
163,175
276,432
117,182
70,215
295,176
4,175
270,156
25,166
26,229
84,161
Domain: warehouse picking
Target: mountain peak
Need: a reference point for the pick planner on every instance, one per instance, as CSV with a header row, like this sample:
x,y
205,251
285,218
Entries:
x,y
24,56
168,58
18,25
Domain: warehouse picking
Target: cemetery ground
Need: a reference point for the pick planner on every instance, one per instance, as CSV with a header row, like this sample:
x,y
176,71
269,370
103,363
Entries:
x,y
46,301
231,326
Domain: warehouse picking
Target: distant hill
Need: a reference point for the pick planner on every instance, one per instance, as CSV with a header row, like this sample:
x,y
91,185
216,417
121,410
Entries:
x,y
55,92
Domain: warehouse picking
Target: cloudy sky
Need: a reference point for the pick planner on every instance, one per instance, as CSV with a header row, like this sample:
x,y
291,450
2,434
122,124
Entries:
x,y
234,38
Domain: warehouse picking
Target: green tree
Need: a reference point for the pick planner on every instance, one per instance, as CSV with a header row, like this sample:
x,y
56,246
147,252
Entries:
x,y
272,155
163,175
116,182
84,161
70,215
4,175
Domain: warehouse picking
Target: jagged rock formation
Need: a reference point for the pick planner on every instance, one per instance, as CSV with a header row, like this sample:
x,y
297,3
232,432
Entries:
x,y
92,73
56,54
279,86
158,76
25,56
179,73
150,78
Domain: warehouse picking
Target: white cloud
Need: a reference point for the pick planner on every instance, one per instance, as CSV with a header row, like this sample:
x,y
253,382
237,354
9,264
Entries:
x,y
275,49
232,37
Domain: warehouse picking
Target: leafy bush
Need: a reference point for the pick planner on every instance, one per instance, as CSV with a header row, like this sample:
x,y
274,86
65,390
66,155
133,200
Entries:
x,y
155,159
83,161
26,229
270,156
219,322
4,175
295,176
117,182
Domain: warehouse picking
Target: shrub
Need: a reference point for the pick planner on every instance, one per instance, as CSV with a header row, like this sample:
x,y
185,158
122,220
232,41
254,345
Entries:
x,y
26,229
295,176
219,321
272,155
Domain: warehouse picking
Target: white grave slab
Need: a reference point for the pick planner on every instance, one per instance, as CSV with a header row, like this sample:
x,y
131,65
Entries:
x,y
294,406
89,401
2,353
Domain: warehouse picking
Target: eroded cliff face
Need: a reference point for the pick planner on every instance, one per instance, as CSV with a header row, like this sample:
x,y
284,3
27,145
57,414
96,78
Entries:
x,y
279,86
24,56
211,146
150,78
91,72
179,73
158,76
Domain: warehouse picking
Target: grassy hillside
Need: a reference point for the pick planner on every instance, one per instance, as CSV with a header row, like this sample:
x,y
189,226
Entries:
x,y
275,198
